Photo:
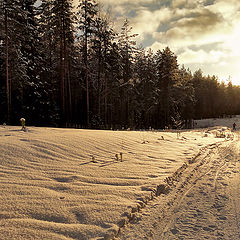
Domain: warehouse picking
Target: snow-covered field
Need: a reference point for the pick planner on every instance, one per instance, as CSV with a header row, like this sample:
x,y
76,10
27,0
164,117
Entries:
x,y
212,122
70,184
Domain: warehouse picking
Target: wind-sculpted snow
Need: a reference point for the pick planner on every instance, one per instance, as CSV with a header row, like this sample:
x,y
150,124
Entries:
x,y
69,184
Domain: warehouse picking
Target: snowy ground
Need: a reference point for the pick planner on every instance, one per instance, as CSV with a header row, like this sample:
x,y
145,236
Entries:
x,y
203,201
69,184
211,122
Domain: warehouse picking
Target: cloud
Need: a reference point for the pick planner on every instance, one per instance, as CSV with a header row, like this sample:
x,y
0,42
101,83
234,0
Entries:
x,y
123,2
183,4
200,21
149,21
157,46
227,9
201,56
199,27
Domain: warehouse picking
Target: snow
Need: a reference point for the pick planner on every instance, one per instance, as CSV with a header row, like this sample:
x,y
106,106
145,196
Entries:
x,y
69,183
204,202
212,122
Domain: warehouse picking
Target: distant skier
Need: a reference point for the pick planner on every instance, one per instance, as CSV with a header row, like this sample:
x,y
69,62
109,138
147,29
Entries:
x,y
234,126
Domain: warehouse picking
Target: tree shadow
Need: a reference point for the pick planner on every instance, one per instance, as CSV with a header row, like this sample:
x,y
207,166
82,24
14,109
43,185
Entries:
x,y
85,163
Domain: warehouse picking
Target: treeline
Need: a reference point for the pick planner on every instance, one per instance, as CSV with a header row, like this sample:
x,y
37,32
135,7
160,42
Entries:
x,y
65,67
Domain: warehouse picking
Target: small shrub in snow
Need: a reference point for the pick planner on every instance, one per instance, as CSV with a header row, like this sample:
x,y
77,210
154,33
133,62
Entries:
x,y
121,156
162,138
178,133
23,121
93,159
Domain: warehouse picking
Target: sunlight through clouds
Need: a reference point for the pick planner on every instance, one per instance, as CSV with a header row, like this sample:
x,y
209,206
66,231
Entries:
x,y
188,27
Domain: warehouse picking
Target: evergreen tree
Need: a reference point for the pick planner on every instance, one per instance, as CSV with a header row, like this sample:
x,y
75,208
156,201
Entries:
x,y
87,12
63,29
14,64
185,97
230,93
127,47
221,103
145,69
47,87
114,82
198,85
56,19
167,76
103,38
31,93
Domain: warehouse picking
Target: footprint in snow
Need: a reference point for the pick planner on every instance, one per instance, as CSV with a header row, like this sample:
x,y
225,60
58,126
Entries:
x,y
190,195
207,229
174,231
222,218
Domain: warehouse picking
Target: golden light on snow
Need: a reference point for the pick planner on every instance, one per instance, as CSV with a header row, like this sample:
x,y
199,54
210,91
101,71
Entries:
x,y
69,184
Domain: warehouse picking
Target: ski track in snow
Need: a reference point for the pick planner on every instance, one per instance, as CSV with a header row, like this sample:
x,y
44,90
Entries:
x,y
203,203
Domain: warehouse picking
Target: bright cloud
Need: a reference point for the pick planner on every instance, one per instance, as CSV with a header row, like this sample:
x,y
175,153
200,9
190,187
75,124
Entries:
x,y
201,56
157,46
148,22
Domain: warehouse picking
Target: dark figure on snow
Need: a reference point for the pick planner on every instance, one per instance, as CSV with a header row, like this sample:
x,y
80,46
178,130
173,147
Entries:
x,y
234,126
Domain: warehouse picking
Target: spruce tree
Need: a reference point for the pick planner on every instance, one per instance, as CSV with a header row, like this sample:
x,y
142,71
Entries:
x,y
167,76
86,15
127,47
56,19
14,63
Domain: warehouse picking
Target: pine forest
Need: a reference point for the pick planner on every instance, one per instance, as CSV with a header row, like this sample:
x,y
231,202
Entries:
x,y
66,66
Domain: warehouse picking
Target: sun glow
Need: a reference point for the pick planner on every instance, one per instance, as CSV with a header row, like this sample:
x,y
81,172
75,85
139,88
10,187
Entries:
x,y
231,62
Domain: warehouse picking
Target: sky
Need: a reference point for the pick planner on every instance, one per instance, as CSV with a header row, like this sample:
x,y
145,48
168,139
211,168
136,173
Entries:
x,y
203,34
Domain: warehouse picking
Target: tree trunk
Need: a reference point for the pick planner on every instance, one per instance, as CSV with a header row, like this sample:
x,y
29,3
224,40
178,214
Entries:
x,y
62,70
7,72
86,65
99,82
105,100
69,93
